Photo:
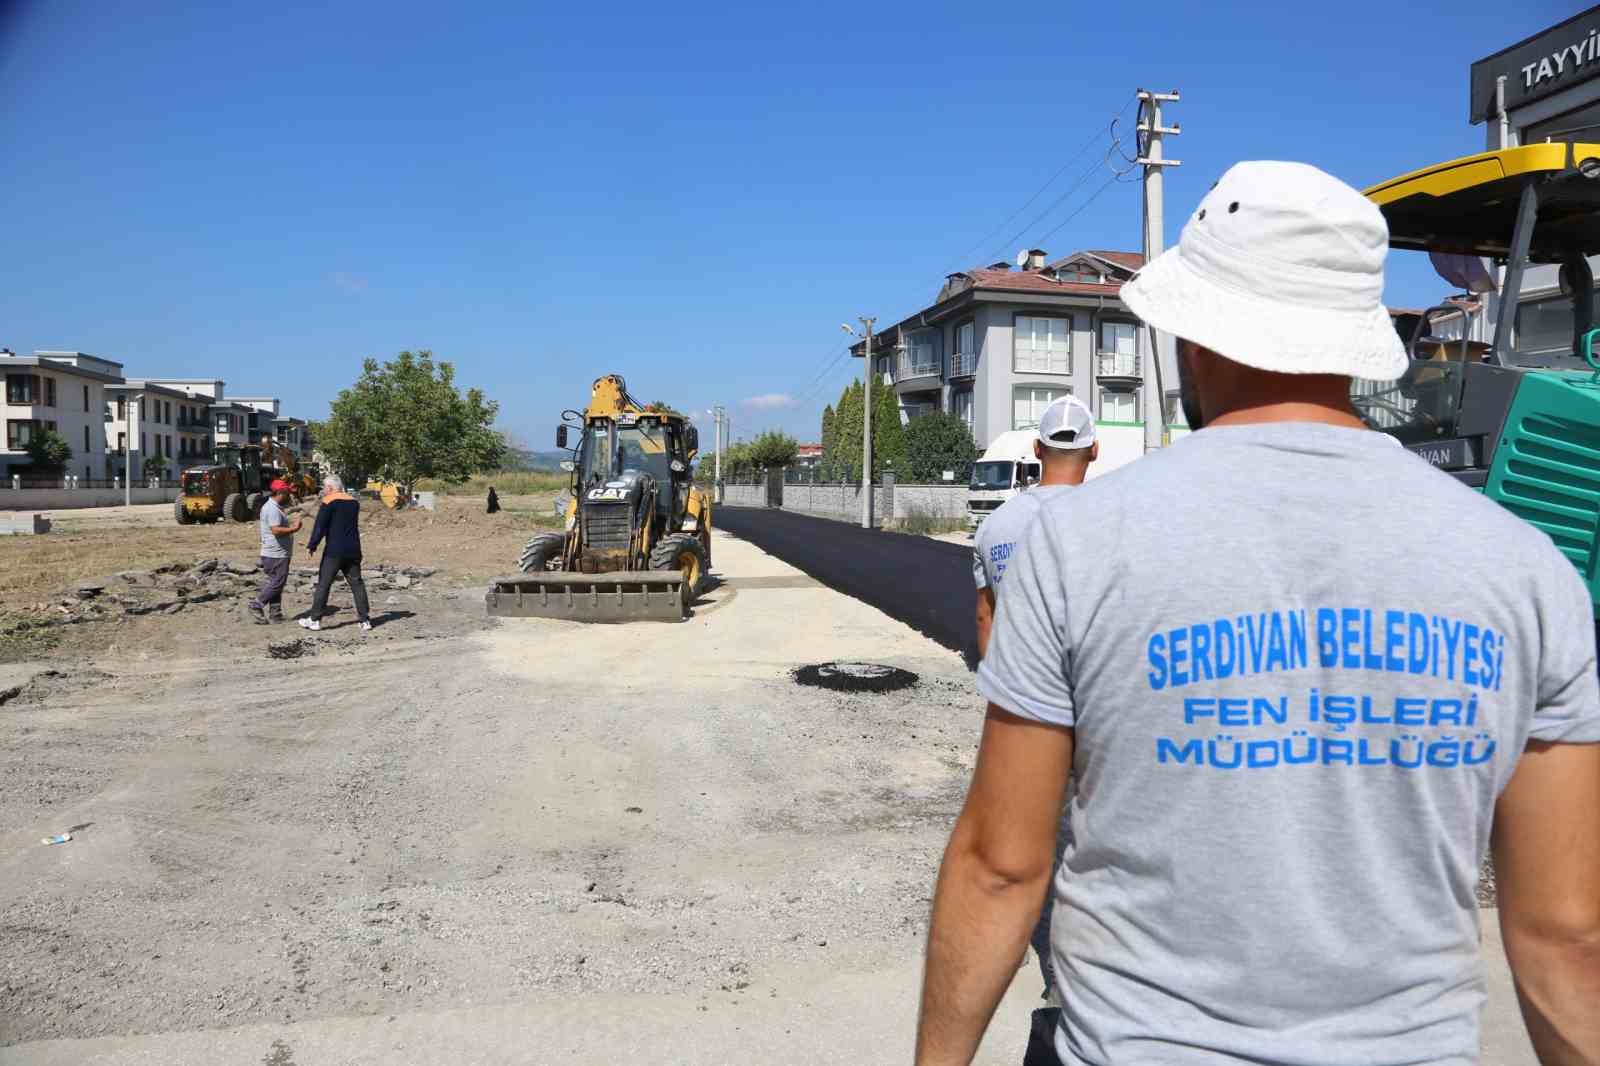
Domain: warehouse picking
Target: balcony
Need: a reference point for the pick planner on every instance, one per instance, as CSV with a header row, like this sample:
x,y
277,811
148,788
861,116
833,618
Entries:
x,y
963,364
1123,365
919,364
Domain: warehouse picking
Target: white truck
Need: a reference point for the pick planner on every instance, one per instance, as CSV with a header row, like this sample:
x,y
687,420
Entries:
x,y
1007,467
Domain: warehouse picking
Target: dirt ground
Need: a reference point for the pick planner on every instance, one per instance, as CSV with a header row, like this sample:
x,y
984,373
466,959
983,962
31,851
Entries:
x,y
648,841
39,575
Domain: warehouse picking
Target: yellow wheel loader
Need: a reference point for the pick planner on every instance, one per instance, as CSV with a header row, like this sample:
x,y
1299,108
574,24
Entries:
x,y
231,487
638,538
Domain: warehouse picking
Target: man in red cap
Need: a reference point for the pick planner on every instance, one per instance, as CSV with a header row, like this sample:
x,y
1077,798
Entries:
x,y
277,544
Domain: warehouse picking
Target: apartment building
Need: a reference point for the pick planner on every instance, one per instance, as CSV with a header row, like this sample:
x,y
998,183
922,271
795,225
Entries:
x,y
59,391
163,427
998,344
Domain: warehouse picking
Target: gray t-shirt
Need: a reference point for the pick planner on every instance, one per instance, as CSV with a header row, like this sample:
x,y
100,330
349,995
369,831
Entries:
x,y
1300,665
274,546
1000,534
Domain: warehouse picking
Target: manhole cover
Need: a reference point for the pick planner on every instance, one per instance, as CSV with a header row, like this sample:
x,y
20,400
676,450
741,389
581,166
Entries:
x,y
855,677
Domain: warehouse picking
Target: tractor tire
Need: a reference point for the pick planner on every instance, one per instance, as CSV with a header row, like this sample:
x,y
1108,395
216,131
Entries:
x,y
682,552
543,553
234,508
254,502
183,516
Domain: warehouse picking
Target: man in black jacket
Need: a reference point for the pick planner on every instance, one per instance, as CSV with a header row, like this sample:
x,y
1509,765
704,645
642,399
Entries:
x,y
338,523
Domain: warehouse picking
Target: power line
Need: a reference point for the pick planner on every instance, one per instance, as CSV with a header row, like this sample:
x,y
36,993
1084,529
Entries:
x,y
1073,158
1112,180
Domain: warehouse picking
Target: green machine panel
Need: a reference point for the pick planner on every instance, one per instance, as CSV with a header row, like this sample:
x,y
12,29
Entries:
x,y
1546,468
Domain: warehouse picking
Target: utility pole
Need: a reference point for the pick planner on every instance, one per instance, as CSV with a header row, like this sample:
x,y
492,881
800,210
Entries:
x,y
127,455
866,417
718,413
1154,162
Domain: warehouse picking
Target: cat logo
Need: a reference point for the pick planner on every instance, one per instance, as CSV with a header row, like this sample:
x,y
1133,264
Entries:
x,y
608,494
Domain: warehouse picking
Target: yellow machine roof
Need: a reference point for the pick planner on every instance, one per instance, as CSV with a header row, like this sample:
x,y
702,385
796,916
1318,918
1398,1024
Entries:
x,y
1469,205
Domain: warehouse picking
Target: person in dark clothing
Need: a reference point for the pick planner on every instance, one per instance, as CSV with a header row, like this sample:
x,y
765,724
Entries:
x,y
494,501
337,523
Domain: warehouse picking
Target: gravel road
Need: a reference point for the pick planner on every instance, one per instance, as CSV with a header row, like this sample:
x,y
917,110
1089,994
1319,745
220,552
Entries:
x,y
923,582
476,814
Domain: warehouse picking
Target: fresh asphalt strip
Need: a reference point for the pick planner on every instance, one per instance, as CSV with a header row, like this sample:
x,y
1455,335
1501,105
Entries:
x,y
925,583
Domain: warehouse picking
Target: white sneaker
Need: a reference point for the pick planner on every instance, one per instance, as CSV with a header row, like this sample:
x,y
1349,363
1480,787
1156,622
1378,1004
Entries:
x,y
366,627
311,624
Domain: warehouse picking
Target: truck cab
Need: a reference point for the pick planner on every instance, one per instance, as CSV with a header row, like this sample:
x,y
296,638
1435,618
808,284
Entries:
x,y
1007,467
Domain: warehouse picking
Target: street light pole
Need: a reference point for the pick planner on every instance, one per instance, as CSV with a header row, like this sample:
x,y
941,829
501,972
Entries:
x,y
866,431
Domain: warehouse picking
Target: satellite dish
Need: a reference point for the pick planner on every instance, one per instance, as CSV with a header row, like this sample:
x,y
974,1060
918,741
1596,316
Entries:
x,y
1022,258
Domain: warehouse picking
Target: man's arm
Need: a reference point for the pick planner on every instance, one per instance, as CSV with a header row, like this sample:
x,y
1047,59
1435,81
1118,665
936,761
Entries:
x,y
1546,847
995,873
319,529
985,618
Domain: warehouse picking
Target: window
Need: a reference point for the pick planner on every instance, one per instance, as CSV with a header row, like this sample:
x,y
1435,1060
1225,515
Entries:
x,y
1174,409
1118,338
1544,324
86,397
167,409
19,433
964,360
122,443
1042,345
49,392
168,449
222,423
141,408
961,406
22,389
1119,406
122,408
921,355
142,440
964,335
86,439
1029,402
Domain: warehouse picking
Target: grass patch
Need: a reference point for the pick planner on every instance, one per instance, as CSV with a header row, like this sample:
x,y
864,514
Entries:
x,y
922,522
506,483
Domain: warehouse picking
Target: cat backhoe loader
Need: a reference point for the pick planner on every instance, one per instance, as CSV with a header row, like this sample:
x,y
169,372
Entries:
x,y
637,543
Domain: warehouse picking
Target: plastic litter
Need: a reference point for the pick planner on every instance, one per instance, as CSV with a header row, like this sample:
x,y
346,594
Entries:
x,y
59,838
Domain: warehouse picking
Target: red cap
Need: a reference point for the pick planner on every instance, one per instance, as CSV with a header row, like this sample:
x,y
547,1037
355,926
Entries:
x,y
279,485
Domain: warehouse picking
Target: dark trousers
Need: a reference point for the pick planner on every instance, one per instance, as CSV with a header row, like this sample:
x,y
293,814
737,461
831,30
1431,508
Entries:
x,y
333,565
271,593
1042,1038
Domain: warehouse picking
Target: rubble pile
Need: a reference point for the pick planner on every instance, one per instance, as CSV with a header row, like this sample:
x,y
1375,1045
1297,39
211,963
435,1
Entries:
x,y
210,583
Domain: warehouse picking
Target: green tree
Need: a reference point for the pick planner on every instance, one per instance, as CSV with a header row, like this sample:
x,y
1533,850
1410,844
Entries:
x,y
936,443
773,450
155,464
736,462
888,434
48,451
847,433
406,419
825,464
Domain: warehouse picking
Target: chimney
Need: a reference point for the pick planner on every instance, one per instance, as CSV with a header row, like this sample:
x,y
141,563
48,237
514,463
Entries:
x,y
1002,265
1036,258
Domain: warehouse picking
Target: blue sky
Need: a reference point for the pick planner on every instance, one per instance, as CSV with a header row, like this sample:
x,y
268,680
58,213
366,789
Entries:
x,y
693,195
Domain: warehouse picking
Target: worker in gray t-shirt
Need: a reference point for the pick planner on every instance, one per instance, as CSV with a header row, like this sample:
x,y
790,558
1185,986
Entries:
x,y
1302,681
1065,448
277,545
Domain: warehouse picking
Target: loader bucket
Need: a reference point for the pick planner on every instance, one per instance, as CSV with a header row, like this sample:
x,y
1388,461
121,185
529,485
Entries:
x,y
623,596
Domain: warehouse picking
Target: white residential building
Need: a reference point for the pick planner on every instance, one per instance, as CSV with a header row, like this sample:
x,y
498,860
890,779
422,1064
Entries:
x,y
60,391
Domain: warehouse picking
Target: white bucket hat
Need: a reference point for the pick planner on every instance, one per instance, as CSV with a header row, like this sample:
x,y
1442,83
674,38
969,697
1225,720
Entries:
x,y
1280,268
